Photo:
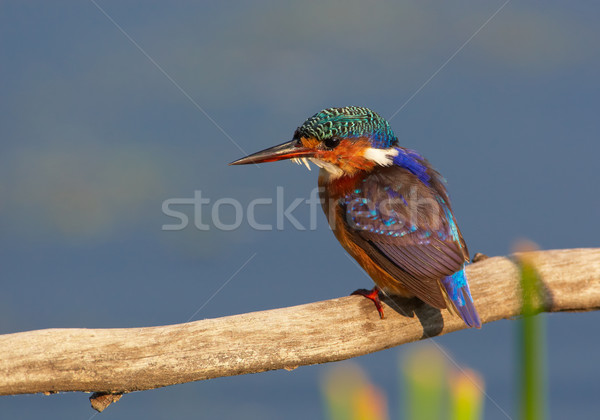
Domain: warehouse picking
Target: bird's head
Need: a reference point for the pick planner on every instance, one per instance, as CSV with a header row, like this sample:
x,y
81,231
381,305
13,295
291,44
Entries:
x,y
342,141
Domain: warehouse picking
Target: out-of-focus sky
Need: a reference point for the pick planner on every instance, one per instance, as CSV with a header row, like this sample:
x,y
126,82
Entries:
x,y
105,114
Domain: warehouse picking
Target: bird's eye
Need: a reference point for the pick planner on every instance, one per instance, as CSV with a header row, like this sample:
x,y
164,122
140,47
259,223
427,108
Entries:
x,y
331,142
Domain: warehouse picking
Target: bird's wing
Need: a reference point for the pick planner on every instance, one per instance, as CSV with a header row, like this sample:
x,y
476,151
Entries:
x,y
408,228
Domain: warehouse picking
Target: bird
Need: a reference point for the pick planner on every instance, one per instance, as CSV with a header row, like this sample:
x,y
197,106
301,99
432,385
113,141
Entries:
x,y
386,205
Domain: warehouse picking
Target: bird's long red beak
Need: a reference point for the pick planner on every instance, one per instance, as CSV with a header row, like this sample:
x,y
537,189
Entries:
x,y
288,150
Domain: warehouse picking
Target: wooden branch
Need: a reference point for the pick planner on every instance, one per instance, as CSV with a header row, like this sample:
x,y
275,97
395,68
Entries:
x,y
122,360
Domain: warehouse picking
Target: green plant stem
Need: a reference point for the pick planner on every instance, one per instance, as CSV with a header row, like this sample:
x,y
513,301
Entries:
x,y
531,343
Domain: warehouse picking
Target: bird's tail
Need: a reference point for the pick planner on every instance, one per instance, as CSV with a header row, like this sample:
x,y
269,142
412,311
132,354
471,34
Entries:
x,y
458,296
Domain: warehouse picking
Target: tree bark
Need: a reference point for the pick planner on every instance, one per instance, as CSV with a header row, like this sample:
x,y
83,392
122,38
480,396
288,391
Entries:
x,y
113,361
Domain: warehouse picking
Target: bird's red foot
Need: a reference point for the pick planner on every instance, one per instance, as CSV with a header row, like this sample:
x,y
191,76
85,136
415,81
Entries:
x,y
373,295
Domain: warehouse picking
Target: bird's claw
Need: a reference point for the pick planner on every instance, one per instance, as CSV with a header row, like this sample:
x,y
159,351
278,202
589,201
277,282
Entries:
x,y
372,295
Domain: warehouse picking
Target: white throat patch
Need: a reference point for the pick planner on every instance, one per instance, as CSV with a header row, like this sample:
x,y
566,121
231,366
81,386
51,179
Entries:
x,y
300,161
334,171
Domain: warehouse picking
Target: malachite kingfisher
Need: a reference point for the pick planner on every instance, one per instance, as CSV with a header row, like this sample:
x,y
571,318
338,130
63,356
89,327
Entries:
x,y
386,205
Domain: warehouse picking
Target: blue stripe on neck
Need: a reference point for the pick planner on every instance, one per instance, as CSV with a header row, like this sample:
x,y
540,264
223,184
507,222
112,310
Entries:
x,y
412,161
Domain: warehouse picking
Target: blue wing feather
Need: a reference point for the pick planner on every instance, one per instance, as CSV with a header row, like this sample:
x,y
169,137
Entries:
x,y
406,225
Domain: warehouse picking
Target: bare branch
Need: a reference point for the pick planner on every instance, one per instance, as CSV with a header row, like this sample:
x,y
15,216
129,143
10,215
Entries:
x,y
114,361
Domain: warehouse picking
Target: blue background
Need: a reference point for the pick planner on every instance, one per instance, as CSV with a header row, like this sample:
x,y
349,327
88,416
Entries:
x,y
94,137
